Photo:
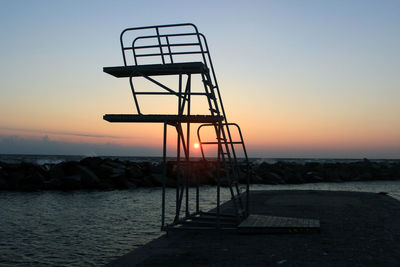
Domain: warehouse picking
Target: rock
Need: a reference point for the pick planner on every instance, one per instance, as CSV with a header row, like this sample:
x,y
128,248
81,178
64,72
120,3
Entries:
x,y
148,181
292,176
107,170
256,179
120,181
206,178
91,162
131,185
243,177
134,172
52,184
273,178
313,177
364,176
89,179
31,182
71,182
3,181
159,179
107,184
154,167
14,178
57,171
116,164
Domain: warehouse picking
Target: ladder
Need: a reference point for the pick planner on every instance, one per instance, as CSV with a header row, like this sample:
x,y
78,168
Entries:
x,y
226,154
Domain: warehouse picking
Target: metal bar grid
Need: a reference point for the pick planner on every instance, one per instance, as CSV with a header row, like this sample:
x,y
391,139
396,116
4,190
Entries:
x,y
158,37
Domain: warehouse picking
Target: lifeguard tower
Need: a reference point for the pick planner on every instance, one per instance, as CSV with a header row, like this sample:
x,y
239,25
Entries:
x,y
180,50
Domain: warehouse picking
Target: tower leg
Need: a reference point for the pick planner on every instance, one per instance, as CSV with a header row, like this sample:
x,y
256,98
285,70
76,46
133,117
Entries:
x,y
165,176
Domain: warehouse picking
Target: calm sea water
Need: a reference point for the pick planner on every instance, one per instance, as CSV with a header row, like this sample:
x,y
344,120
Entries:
x,y
92,228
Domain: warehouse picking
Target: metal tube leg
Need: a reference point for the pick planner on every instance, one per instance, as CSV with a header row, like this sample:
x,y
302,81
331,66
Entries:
x,y
197,196
178,176
165,177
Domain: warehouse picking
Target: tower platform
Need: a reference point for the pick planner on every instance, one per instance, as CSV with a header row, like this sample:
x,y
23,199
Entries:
x,y
162,118
156,69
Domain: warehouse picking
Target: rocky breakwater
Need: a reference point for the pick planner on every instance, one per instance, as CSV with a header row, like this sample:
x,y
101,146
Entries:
x,y
95,173
283,172
89,173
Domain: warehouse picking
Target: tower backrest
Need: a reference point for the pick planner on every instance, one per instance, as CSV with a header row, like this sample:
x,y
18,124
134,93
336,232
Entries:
x,y
163,44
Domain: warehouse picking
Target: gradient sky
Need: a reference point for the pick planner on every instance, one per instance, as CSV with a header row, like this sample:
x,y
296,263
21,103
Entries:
x,y
302,78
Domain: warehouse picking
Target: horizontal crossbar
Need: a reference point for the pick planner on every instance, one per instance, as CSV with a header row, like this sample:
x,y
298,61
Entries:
x,y
222,142
162,45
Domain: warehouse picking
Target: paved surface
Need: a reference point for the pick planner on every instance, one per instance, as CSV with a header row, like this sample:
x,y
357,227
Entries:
x,y
357,229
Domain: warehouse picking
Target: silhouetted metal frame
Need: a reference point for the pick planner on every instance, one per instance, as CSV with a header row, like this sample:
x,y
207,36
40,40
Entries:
x,y
211,85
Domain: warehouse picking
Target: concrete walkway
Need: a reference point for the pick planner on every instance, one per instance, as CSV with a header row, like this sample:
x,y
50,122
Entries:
x,y
357,229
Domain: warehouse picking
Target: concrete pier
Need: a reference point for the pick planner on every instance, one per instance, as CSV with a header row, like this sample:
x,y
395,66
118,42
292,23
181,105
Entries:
x,y
356,229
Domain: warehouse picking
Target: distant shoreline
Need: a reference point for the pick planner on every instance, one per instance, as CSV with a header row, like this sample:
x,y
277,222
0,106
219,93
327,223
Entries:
x,y
32,158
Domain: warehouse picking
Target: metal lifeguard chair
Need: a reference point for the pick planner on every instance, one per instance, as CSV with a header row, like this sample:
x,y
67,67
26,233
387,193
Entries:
x,y
180,50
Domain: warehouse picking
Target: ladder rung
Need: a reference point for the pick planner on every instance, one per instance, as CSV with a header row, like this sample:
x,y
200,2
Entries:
x,y
216,143
213,110
210,143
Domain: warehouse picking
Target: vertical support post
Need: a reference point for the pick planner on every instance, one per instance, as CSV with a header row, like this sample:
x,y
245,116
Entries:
x,y
187,188
178,175
188,144
134,94
169,50
197,195
248,192
218,175
165,176
160,45
178,152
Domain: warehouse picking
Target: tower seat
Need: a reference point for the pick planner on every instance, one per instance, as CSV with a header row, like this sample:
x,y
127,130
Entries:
x,y
162,118
156,69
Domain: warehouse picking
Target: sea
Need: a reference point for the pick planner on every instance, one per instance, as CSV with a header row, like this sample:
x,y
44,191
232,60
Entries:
x,y
92,228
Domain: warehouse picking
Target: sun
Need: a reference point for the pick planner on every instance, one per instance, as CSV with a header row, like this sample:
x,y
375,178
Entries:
x,y
196,145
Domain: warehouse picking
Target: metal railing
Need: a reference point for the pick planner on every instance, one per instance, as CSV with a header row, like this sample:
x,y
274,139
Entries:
x,y
160,41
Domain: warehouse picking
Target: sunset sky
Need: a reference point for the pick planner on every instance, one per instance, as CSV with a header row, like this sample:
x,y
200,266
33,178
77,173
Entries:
x,y
301,78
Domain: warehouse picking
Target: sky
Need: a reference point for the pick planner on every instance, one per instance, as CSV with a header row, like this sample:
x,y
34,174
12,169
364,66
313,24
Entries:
x,y
302,78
